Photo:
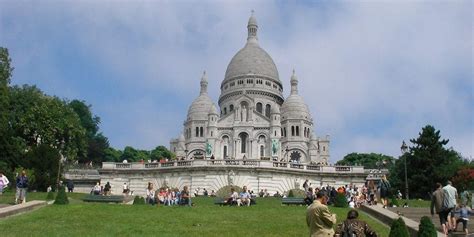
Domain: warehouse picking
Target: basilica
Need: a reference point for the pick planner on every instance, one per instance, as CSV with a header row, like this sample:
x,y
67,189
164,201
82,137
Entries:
x,y
254,120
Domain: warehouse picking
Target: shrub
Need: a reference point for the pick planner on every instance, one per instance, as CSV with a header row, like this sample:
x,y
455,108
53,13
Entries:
x,y
426,228
398,229
394,202
340,200
296,193
61,198
139,200
225,191
50,196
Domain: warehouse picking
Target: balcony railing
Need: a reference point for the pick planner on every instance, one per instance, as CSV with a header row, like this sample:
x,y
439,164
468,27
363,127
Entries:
x,y
233,163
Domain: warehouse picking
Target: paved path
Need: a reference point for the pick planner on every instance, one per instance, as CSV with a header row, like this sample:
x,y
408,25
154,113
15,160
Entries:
x,y
9,210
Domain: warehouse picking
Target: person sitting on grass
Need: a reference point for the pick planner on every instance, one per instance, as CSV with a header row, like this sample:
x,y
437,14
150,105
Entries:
x,y
107,189
150,194
244,197
233,197
185,197
354,227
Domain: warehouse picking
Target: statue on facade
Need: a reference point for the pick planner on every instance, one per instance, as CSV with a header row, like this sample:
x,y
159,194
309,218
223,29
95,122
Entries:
x,y
297,183
208,149
237,114
230,177
275,146
244,113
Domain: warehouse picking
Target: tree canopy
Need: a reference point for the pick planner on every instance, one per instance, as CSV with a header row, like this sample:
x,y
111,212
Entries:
x,y
368,160
428,162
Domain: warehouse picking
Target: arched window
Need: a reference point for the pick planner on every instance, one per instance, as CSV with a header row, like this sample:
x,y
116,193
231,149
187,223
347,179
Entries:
x,y
201,132
262,151
231,107
225,152
259,107
293,131
281,130
267,110
275,133
304,132
197,131
297,131
211,133
284,131
225,110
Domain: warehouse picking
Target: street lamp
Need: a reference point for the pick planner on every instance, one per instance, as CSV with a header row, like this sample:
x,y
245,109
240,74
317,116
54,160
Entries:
x,y
404,150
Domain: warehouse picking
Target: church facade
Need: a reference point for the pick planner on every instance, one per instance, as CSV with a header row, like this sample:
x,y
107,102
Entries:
x,y
254,120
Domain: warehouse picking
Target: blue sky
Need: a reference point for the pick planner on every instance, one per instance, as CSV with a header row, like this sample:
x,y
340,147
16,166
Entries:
x,y
372,73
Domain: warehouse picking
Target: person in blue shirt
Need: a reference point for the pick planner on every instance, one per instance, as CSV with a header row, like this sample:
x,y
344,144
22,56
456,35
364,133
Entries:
x,y
464,212
21,187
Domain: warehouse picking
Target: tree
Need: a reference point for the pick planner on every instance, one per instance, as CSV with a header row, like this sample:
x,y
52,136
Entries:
x,y
161,152
112,155
399,229
368,160
37,118
97,143
43,160
61,197
427,161
464,178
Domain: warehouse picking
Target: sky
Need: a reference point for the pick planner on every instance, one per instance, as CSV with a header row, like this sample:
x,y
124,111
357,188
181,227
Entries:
x,y
372,73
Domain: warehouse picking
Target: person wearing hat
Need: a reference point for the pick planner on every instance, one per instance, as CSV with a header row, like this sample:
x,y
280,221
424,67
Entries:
x,y
318,217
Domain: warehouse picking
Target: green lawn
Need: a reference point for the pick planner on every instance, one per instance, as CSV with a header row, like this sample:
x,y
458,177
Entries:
x,y
267,218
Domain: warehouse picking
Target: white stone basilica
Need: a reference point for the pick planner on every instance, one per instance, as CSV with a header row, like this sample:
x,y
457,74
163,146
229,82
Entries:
x,y
255,121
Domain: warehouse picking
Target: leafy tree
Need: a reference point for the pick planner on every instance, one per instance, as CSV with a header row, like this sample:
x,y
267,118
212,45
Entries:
x,y
368,160
399,229
161,152
428,162
464,178
96,142
112,155
44,161
139,200
37,118
426,228
340,200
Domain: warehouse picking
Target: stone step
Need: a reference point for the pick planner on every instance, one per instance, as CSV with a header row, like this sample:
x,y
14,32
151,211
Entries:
x,y
20,208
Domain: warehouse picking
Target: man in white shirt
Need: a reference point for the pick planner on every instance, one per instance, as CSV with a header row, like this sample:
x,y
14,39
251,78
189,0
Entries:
x,y
3,182
244,197
449,201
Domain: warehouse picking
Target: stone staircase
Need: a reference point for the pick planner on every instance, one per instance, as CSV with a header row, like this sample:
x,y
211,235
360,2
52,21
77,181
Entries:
x,y
415,214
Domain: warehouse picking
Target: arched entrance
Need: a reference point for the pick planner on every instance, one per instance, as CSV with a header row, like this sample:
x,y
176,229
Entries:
x,y
295,156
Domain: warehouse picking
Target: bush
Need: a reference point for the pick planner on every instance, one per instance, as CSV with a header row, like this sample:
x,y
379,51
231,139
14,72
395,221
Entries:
x,y
426,228
224,192
394,202
398,229
296,193
340,200
50,196
139,200
61,198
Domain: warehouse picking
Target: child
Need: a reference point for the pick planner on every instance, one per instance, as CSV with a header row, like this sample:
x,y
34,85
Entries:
x,y
463,217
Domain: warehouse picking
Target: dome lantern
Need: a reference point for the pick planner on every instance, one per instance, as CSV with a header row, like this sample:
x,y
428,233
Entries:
x,y
294,84
252,28
204,83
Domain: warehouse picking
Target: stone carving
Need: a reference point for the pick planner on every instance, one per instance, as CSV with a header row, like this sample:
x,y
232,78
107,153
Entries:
x,y
230,177
244,114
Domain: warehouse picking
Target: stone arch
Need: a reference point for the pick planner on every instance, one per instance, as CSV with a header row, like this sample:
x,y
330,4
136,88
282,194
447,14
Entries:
x,y
197,154
244,137
259,107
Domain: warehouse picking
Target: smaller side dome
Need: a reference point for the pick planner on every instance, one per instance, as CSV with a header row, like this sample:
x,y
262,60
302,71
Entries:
x,y
213,110
181,138
294,106
201,106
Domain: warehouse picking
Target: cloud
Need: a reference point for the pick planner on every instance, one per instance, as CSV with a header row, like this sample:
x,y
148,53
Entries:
x,y
372,73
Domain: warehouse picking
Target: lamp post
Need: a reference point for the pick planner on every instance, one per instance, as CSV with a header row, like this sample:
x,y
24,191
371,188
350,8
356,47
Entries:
x,y
404,149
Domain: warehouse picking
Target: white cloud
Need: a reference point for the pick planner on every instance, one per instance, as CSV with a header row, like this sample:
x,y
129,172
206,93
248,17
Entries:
x,y
372,73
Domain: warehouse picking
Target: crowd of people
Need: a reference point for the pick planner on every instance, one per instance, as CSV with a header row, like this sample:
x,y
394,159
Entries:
x,y
168,196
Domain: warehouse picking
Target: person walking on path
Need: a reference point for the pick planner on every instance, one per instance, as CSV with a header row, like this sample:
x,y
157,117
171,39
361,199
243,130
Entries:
x,y
449,202
21,186
3,182
437,205
318,217
384,190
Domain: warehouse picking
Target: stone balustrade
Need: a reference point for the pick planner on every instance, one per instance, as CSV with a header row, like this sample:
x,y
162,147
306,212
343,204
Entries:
x,y
233,163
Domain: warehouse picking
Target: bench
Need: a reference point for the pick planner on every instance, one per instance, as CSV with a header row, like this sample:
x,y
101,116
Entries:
x,y
106,199
293,200
222,202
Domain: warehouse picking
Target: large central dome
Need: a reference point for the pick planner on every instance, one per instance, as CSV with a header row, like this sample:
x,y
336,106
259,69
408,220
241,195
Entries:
x,y
252,59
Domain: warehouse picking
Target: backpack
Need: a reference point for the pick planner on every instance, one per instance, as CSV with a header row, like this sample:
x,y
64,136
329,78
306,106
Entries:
x,y
348,231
